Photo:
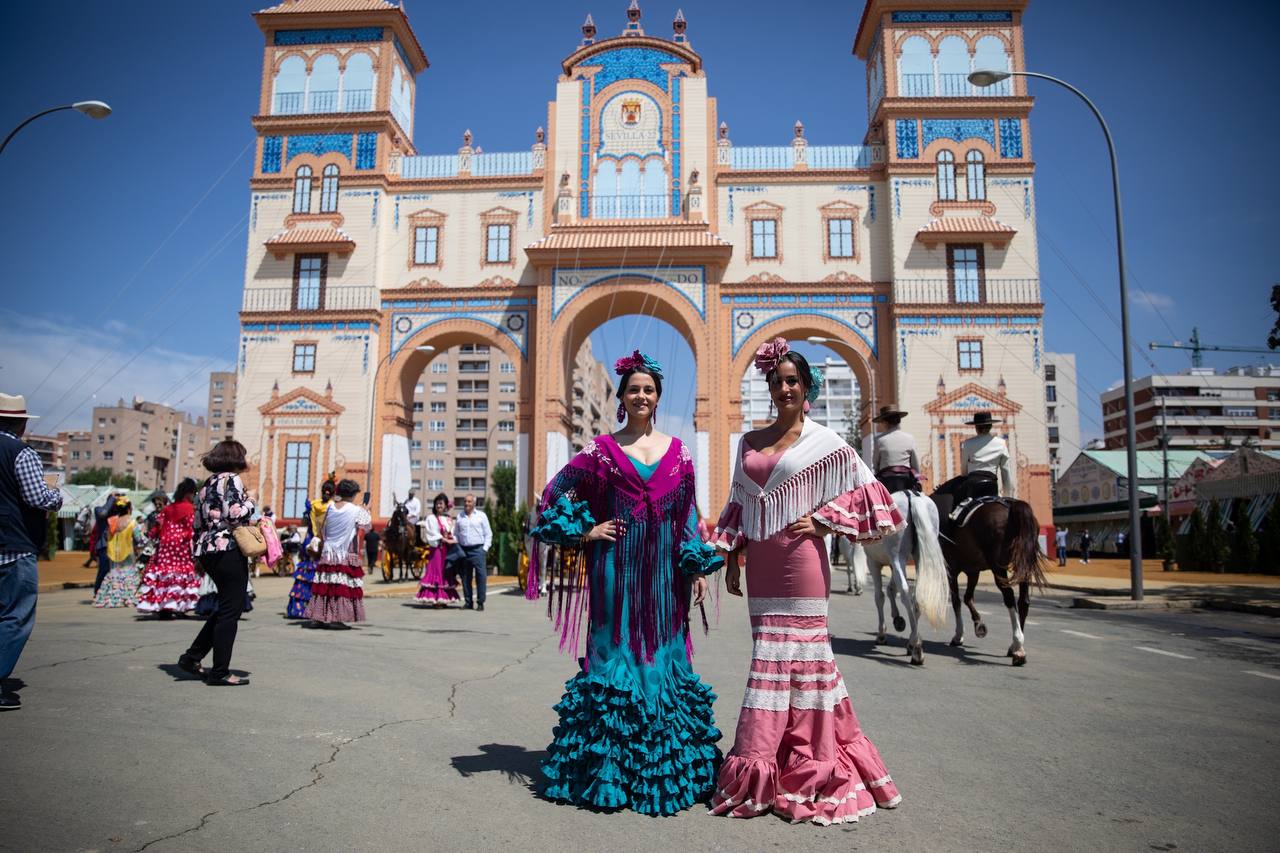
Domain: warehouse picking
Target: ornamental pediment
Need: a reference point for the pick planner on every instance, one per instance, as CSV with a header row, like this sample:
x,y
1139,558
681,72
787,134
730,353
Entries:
x,y
300,402
972,397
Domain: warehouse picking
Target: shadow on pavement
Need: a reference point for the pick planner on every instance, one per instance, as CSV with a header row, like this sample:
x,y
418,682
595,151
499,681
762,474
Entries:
x,y
519,764
894,653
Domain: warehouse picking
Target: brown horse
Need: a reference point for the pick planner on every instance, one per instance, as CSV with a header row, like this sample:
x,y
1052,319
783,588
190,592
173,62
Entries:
x,y
1002,537
399,543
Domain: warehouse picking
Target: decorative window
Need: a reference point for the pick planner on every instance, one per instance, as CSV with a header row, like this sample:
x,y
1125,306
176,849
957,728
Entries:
x,y
975,169
965,273
498,250
764,238
309,273
839,220
290,87
322,85
297,477
426,242
302,190
915,68
329,189
357,84
304,358
499,225
969,353
946,176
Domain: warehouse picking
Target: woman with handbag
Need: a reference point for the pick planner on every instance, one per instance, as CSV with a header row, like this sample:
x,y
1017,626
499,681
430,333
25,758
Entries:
x,y
226,539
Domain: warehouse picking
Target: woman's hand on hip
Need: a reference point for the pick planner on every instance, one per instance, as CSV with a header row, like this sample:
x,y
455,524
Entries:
x,y
608,530
807,525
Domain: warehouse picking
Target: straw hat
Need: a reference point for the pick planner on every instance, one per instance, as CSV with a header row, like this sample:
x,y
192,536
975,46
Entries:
x,y
14,406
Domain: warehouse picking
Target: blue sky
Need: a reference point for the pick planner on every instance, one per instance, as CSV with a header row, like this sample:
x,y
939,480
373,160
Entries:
x,y
125,238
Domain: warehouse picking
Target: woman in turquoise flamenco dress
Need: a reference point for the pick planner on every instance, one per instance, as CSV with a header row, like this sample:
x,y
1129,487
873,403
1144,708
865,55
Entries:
x,y
636,724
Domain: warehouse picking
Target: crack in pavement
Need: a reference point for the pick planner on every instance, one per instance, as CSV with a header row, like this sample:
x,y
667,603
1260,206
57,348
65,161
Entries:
x,y
453,690
26,669
317,771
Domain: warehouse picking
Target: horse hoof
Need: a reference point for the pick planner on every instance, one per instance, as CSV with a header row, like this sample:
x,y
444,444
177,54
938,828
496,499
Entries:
x,y
980,628
1020,659
956,642
899,623
917,656
881,640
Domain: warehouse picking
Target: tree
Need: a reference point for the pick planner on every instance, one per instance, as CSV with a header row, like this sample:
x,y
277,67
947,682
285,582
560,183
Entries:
x,y
1273,339
852,431
1244,545
1270,535
1190,547
102,477
504,486
1217,546
1166,543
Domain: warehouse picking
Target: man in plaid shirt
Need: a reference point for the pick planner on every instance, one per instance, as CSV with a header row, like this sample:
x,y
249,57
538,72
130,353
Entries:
x,y
25,502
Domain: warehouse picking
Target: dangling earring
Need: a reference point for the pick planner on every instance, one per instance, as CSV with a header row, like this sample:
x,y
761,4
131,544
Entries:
x,y
622,412
653,416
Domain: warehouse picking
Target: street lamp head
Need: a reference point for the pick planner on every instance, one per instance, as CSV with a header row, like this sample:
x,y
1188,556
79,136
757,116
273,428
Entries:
x,y
815,339
425,348
988,78
93,109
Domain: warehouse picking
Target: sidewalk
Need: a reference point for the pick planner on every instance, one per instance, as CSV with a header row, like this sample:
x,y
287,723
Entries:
x,y
1106,585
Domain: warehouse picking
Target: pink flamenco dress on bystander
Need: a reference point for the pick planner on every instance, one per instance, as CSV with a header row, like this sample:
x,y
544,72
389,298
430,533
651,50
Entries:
x,y
170,583
799,750
435,588
337,590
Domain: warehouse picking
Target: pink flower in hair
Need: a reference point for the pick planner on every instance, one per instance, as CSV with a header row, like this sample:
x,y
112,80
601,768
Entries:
x,y
769,354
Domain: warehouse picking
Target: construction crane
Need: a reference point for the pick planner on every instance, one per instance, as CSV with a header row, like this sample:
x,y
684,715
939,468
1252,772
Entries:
x,y
1198,349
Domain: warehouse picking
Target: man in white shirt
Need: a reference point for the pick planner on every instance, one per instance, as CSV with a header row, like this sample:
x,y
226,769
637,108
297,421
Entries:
x,y
985,462
474,538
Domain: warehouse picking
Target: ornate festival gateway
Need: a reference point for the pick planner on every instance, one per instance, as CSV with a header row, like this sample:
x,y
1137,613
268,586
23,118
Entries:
x,y
913,254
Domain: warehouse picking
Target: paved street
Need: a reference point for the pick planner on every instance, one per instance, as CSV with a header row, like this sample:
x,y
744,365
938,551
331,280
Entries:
x,y
420,730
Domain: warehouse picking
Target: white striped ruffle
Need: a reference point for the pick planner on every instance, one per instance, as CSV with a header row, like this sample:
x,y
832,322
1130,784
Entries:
x,y
793,632
881,782
801,700
787,606
791,651
798,676
849,818
876,510
748,803
337,579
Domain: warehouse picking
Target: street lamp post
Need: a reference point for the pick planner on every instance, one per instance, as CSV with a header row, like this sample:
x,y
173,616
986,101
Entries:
x,y
93,109
373,402
986,78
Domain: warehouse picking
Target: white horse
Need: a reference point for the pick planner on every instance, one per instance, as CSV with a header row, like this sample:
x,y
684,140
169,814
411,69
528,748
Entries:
x,y
919,539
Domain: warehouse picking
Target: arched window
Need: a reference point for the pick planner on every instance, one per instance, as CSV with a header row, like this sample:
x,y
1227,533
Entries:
x,y
302,190
322,93
990,55
975,170
946,176
357,84
291,86
953,68
915,69
329,189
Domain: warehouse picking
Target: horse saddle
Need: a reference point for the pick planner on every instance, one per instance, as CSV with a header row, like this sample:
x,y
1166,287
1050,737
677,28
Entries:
x,y
967,507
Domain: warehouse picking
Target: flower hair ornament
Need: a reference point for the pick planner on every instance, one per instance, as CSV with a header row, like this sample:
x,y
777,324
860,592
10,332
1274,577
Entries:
x,y
770,355
637,360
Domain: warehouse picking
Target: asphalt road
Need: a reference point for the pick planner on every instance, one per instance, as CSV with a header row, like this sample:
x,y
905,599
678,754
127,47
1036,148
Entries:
x,y
420,730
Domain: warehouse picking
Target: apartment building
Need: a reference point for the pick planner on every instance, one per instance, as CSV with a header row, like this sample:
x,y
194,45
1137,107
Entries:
x,y
157,444
52,450
1061,410
594,405
1201,409
222,405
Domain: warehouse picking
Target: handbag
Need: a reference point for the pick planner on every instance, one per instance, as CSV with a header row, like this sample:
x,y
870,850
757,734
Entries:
x,y
250,540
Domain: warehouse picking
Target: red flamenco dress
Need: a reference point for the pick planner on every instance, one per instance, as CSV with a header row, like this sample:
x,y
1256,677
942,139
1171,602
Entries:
x,y
170,583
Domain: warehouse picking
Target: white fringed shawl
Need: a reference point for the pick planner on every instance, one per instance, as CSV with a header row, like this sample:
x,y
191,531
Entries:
x,y
812,473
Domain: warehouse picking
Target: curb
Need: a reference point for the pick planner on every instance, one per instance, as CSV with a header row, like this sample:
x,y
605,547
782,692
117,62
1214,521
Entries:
x,y
1261,608
1104,602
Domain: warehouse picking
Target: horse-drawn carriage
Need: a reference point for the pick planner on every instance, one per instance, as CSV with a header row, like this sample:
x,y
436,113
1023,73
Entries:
x,y
403,557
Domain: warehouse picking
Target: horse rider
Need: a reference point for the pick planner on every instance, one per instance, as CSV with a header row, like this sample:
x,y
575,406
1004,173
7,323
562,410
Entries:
x,y
895,458
985,462
413,509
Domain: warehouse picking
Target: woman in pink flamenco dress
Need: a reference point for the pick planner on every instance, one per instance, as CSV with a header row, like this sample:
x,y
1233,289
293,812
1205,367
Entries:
x,y
435,588
798,750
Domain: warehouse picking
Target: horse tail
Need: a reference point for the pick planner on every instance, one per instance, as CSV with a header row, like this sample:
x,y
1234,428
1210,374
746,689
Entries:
x,y
1022,539
857,557
933,595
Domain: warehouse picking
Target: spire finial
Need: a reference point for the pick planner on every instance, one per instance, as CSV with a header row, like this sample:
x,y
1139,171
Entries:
x,y
540,135
724,130
799,129
633,20
678,26
588,31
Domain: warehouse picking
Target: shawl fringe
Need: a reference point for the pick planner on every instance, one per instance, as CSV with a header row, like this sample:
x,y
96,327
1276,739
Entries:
x,y
768,512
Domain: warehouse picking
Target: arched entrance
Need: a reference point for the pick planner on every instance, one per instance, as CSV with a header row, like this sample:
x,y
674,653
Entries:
x,y
403,369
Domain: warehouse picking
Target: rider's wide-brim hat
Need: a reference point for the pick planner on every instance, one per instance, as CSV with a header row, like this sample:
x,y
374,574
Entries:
x,y
983,419
15,406
887,412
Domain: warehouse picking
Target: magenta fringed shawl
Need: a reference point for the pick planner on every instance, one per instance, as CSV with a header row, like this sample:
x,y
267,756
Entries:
x,y
648,586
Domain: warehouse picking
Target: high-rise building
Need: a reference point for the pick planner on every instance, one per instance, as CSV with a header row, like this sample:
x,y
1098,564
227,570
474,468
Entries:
x,y
1061,410
222,406
157,444
839,405
52,450
594,406
1200,409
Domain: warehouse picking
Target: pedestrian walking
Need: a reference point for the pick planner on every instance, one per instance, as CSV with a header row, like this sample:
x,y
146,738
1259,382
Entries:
x,y
25,501
1060,545
222,505
1086,544
475,537
372,540
337,591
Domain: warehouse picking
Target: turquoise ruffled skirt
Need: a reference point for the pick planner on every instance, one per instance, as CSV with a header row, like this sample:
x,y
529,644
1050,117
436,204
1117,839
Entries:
x,y
632,735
